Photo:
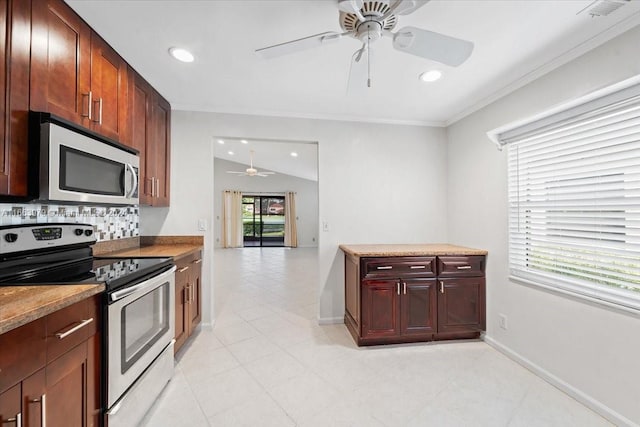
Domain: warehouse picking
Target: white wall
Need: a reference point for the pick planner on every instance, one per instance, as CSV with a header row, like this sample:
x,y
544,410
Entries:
x,y
377,183
306,197
591,350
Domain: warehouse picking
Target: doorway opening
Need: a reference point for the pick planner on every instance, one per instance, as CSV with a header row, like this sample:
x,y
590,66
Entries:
x,y
263,220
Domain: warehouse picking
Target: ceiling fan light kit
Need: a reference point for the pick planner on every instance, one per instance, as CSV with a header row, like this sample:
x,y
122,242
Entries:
x,y
371,20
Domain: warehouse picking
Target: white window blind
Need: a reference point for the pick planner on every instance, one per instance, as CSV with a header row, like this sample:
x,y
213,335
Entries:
x,y
574,200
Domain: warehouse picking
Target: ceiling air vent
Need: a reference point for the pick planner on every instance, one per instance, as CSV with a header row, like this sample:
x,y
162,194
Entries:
x,y
603,7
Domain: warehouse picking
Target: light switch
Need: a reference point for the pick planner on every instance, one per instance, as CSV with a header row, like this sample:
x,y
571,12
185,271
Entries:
x,y
202,224
325,226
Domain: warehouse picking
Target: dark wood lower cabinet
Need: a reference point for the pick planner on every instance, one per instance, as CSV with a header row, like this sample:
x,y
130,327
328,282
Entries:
x,y
387,302
57,382
188,297
461,305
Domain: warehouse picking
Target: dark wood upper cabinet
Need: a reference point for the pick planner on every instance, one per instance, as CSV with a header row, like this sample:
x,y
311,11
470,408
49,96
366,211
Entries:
x,y
15,40
151,136
75,74
109,91
60,62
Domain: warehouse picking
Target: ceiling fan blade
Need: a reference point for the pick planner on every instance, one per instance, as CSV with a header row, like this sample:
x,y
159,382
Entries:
x,y
237,172
435,46
299,44
406,7
358,72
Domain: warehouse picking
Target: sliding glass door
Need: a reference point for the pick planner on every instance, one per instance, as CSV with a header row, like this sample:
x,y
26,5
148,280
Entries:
x,y
263,220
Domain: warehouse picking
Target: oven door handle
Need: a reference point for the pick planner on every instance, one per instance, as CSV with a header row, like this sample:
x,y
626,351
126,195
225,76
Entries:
x,y
117,295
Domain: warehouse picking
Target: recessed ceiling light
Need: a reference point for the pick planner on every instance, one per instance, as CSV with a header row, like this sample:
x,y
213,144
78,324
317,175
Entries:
x,y
181,54
220,141
430,76
230,153
294,154
244,141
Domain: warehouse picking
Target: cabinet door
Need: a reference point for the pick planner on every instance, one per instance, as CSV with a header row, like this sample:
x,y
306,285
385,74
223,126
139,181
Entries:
x,y
109,86
60,62
10,407
461,304
182,306
161,148
142,95
195,293
66,388
15,38
33,399
418,306
380,303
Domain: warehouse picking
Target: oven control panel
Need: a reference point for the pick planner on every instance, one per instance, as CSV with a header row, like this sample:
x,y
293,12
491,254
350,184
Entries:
x,y
29,237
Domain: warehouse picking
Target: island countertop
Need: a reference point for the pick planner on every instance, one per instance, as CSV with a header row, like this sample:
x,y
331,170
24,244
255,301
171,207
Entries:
x,y
426,249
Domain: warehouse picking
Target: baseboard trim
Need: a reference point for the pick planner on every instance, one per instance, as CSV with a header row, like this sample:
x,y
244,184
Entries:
x,y
330,320
580,396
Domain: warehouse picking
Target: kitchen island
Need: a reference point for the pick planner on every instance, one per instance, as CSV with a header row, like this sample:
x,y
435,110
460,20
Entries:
x,y
397,293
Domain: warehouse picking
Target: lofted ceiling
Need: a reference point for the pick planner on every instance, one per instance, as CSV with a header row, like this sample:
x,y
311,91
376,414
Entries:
x,y
515,41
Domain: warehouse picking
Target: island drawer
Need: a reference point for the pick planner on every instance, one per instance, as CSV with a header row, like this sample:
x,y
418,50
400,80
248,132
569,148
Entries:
x,y
399,267
461,266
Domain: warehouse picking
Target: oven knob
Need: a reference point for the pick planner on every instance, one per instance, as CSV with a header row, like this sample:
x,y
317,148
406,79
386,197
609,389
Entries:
x,y
11,237
88,232
78,231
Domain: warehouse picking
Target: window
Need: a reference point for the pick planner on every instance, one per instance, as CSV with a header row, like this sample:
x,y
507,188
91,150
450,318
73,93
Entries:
x,y
574,198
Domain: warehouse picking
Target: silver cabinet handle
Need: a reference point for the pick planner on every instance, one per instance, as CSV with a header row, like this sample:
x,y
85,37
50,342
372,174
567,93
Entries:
x,y
99,121
415,267
17,419
441,287
385,267
89,105
183,269
464,267
198,261
42,400
82,324
404,288
398,287
157,187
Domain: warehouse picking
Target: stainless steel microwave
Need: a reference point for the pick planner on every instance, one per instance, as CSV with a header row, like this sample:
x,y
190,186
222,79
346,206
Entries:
x,y
77,166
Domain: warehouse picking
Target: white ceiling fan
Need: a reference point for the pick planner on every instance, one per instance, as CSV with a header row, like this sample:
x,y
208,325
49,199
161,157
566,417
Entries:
x,y
251,171
371,20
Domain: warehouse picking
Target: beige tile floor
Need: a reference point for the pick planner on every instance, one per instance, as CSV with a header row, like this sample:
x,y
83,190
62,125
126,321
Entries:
x,y
267,363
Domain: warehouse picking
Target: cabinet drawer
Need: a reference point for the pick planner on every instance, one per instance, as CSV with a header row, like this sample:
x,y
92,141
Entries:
x,y
188,260
461,266
399,267
71,325
22,352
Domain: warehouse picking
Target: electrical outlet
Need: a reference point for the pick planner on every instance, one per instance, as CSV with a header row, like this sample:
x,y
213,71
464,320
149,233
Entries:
x,y
502,321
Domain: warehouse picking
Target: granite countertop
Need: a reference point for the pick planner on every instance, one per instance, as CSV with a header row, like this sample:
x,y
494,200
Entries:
x,y
20,305
430,249
158,250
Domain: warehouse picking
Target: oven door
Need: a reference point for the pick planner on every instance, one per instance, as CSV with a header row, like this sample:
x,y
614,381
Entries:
x,y
141,324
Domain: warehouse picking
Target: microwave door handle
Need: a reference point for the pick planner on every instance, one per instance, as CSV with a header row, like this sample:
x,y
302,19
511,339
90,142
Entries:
x,y
134,176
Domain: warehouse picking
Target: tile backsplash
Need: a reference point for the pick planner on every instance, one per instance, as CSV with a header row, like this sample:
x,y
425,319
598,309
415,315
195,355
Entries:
x,y
109,223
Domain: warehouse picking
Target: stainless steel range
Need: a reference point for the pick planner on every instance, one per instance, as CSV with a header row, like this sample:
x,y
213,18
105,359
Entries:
x,y
139,307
